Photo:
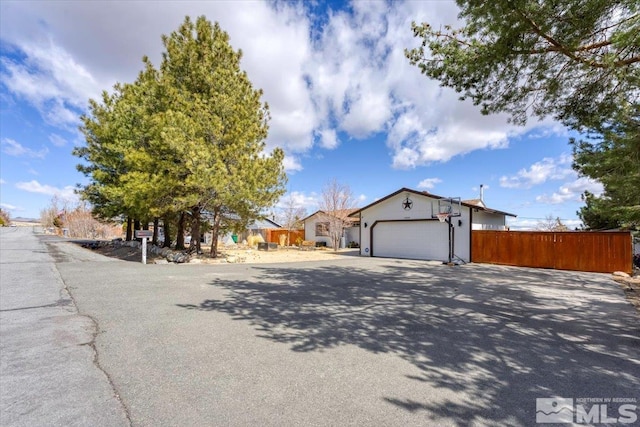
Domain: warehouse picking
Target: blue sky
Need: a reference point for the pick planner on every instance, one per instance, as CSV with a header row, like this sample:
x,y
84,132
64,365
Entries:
x,y
345,103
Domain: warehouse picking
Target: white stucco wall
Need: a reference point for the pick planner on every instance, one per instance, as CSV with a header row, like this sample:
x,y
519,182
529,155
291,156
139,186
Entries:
x,y
488,221
423,206
310,230
352,234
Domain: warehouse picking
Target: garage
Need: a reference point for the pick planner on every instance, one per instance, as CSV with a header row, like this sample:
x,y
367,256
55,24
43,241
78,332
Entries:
x,y
404,224
410,239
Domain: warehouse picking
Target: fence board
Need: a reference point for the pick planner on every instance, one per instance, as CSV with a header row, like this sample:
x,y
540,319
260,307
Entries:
x,y
602,252
273,235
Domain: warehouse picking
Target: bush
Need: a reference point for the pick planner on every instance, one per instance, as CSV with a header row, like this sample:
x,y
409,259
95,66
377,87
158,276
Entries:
x,y
5,221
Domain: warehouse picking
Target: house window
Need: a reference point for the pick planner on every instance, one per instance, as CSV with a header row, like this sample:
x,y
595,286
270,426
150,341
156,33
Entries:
x,y
322,228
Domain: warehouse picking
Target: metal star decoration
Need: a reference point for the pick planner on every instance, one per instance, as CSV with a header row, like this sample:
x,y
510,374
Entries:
x,y
407,204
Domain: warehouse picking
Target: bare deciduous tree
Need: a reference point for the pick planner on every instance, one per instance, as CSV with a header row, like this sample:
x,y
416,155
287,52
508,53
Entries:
x,y
551,224
336,205
78,220
290,215
49,215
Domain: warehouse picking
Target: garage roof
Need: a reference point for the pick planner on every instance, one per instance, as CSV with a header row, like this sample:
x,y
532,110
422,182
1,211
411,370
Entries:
x,y
434,196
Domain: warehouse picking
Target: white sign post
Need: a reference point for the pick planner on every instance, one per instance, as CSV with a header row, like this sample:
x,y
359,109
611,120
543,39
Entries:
x,y
144,235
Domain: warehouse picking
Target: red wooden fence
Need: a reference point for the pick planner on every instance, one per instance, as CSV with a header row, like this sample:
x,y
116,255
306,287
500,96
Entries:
x,y
602,252
273,236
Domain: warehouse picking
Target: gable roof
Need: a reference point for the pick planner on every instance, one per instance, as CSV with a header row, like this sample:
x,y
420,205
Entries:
x,y
346,212
263,223
257,224
475,202
434,196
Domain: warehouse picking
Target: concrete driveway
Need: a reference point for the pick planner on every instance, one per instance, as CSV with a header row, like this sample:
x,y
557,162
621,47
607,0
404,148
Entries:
x,y
357,341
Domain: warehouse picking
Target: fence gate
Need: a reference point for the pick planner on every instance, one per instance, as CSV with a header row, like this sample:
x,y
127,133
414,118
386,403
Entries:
x,y
601,252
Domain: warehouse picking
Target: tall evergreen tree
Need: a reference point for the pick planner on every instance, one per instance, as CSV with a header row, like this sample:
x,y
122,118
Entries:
x,y
229,172
613,158
575,60
184,139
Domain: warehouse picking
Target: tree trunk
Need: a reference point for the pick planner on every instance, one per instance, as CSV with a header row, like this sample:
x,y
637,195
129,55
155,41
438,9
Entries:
x,y
136,226
180,236
195,230
166,225
215,229
129,236
156,225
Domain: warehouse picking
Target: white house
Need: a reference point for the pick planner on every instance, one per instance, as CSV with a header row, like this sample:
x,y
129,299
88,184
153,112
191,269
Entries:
x,y
316,228
404,225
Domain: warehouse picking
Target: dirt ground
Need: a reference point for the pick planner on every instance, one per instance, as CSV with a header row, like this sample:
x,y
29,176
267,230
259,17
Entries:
x,y
238,254
631,288
282,254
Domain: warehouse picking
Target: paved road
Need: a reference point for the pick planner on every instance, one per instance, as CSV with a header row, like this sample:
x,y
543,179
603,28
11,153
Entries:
x,y
351,342
49,374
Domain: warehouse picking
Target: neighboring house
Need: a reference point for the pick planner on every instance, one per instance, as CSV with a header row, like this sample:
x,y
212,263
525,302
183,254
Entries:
x,y
261,227
257,227
317,227
403,225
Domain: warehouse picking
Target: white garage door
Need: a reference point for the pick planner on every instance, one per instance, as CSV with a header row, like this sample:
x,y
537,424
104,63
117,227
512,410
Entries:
x,y
412,240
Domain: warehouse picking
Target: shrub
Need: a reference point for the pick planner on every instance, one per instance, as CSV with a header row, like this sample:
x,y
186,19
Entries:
x,y
4,218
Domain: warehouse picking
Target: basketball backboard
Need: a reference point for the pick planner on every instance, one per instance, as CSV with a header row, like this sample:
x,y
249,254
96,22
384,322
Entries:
x,y
446,205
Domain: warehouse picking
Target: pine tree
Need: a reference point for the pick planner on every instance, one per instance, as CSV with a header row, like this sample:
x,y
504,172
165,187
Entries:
x,y
575,60
183,140
613,158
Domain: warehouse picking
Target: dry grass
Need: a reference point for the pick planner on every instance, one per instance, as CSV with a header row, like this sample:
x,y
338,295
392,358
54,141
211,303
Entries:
x,y
631,288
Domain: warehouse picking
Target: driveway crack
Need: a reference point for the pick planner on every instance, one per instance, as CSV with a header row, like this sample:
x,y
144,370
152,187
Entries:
x,y
92,344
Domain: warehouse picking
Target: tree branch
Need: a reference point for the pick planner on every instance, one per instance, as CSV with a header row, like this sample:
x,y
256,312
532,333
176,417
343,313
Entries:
x,y
559,47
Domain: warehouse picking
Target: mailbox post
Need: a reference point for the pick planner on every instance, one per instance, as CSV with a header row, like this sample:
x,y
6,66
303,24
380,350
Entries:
x,y
144,235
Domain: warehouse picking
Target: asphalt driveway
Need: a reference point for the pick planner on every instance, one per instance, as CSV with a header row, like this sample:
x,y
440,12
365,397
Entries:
x,y
357,341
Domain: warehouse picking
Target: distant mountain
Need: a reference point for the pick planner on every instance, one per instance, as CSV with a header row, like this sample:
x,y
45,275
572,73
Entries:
x,y
21,219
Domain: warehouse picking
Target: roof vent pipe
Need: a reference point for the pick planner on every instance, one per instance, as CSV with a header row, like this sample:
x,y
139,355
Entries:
x,y
482,193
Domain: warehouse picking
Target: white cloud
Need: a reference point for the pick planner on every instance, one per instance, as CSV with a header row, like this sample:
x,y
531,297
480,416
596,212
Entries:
x,y
362,82
57,140
291,163
522,224
67,193
540,172
9,207
300,200
345,72
527,224
572,191
361,198
328,138
428,183
52,81
2,181
14,148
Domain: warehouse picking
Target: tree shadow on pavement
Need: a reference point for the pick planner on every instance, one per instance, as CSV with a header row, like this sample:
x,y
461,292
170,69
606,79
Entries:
x,y
498,337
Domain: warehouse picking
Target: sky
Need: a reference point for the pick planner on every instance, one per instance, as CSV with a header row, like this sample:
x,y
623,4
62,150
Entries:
x,y
345,103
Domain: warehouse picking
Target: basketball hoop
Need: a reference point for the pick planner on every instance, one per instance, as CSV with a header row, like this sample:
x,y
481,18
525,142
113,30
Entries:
x,y
442,217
